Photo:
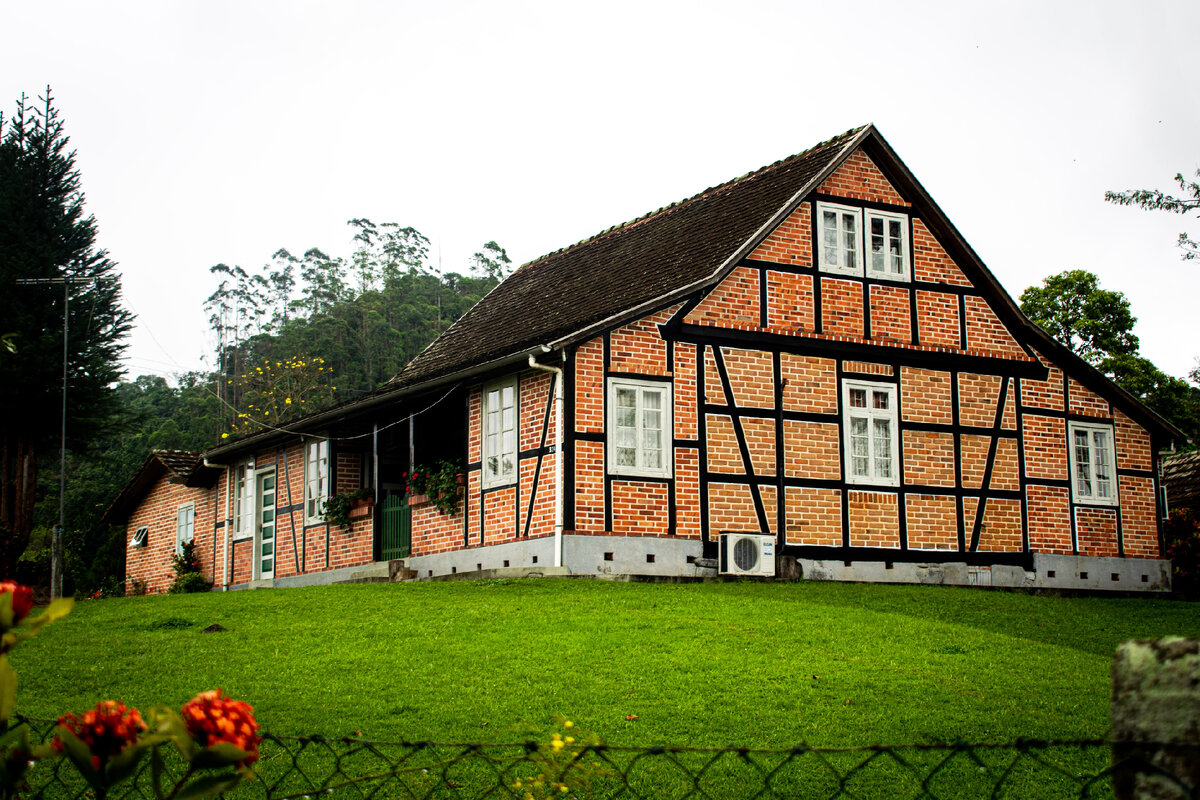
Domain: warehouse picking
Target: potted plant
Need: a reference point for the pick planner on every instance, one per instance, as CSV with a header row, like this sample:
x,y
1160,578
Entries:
x,y
441,485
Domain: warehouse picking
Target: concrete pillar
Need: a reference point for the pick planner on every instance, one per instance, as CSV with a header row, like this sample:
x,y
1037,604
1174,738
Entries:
x,y
1156,719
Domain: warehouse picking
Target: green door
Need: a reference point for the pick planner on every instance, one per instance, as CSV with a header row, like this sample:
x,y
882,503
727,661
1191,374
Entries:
x,y
266,525
395,527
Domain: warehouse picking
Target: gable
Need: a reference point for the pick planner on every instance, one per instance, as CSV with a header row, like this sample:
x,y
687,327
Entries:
x,y
784,288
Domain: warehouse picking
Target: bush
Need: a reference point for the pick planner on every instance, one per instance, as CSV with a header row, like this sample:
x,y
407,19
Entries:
x,y
1182,535
190,582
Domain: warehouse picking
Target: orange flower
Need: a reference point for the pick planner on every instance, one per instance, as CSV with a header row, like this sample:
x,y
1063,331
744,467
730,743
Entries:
x,y
107,729
22,599
211,718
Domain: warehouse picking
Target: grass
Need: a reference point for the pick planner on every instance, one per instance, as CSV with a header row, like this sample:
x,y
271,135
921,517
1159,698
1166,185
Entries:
x,y
759,665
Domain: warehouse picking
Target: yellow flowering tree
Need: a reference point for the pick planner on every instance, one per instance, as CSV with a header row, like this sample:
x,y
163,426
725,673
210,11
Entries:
x,y
274,391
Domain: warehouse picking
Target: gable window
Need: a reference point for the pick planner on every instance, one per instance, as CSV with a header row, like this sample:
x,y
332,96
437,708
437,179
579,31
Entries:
x,y
870,433
500,433
1093,477
639,425
887,245
185,525
316,480
841,237
243,500
846,242
140,536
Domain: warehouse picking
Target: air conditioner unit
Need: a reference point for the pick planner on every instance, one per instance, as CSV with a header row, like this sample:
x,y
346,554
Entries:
x,y
747,554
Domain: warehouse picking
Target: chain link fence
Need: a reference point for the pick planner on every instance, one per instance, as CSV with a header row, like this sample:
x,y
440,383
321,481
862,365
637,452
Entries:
x,y
291,768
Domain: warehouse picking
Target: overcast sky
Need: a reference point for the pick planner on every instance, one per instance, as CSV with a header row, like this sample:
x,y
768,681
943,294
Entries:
x,y
214,132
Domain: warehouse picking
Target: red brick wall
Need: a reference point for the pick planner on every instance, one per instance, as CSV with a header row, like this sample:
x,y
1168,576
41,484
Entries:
x,y
640,507
809,384
937,319
977,398
1086,402
860,179
1138,510
926,516
874,519
637,347
890,317
1046,393
813,516
751,377
812,450
734,300
1132,443
1001,528
791,242
152,563
790,302
928,458
842,307
985,332
1096,531
730,508
1049,511
931,263
925,396
1045,447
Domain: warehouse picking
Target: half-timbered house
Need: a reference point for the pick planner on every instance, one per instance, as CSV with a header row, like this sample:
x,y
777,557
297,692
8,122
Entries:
x,y
805,370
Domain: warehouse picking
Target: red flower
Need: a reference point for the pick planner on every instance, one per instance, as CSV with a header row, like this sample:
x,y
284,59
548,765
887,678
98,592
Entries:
x,y
107,729
22,599
211,718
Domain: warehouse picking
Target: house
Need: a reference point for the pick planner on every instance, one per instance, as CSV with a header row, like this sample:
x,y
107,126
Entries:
x,y
805,369
1181,481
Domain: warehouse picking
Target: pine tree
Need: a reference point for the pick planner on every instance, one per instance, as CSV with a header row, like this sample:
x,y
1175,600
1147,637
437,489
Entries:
x,y
46,234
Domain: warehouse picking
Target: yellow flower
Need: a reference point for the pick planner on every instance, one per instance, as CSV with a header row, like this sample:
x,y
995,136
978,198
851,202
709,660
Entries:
x,y
568,724
570,739
288,401
224,435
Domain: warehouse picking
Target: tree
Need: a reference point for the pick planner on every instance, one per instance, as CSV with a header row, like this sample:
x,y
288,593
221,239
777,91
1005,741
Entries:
x,y
491,262
1154,200
46,234
1095,323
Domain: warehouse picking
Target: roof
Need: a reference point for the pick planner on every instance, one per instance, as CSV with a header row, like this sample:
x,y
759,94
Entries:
x,y
179,466
1181,477
634,268
624,267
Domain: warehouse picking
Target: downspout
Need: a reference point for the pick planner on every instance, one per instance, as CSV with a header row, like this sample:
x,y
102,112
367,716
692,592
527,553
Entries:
x,y
559,463
225,546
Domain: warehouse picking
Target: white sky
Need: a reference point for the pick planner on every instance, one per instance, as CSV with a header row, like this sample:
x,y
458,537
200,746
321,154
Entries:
x,y
220,131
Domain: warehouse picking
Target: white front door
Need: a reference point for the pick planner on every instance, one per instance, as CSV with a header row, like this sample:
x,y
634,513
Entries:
x,y
265,533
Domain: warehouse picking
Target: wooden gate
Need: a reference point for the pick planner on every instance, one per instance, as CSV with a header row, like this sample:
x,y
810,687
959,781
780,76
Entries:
x,y
395,518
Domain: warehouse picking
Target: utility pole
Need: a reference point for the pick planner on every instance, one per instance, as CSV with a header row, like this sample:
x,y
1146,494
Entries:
x,y
56,548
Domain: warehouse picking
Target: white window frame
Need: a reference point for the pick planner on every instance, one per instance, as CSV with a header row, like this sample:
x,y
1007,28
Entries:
x,y
316,480
890,414
184,532
666,432
1096,452
840,269
141,537
886,217
497,456
244,502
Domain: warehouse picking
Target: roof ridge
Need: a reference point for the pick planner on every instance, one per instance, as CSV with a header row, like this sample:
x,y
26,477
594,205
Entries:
x,y
712,190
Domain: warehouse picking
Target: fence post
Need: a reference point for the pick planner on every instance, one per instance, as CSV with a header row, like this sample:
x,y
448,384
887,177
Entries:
x,y
1156,719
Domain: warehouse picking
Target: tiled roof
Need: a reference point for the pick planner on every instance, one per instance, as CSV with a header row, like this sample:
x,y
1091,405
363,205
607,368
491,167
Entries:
x,y
1181,476
620,269
179,466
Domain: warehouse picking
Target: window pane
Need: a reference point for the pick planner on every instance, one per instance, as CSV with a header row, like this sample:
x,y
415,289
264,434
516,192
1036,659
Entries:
x,y
858,399
493,401
652,398
625,437
1100,458
625,417
881,399
626,457
507,396
1083,464
652,419
860,447
883,448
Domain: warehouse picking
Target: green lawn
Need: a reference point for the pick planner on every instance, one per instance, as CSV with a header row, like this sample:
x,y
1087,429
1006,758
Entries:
x,y
759,665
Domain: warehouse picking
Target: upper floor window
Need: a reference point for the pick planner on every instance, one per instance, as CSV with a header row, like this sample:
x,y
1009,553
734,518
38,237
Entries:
x,y
887,243
639,424
316,479
185,525
870,431
842,236
500,433
1092,474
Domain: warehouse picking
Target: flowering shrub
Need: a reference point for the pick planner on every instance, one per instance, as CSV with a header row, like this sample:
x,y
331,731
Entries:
x,y
212,719
439,483
106,731
106,743
1182,537
189,576
20,603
